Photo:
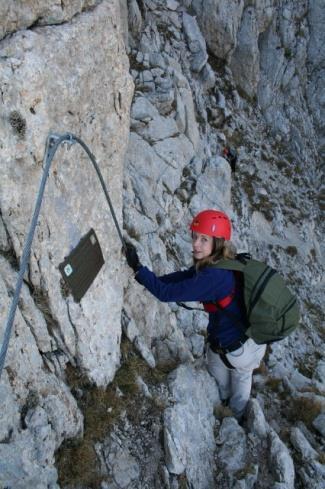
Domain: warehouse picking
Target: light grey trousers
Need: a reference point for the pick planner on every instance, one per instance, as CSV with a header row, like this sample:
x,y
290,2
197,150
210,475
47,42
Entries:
x,y
235,384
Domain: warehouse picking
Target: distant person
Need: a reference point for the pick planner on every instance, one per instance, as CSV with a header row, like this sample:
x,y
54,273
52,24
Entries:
x,y
231,355
231,156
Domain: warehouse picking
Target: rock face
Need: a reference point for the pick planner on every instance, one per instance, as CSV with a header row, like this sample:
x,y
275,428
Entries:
x,y
315,56
50,90
14,18
203,76
68,77
220,22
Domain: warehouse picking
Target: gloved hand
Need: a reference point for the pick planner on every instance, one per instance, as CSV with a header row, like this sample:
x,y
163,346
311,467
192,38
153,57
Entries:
x,y
132,257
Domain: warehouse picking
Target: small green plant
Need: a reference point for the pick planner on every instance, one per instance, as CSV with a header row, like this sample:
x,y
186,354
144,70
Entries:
x,y
31,402
313,254
285,435
306,367
134,63
292,250
76,460
312,390
64,289
274,384
245,471
303,409
182,481
262,369
288,53
221,412
321,458
18,123
41,300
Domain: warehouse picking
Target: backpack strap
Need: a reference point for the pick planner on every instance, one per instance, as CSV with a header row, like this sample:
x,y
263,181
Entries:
x,y
235,265
211,306
189,308
220,304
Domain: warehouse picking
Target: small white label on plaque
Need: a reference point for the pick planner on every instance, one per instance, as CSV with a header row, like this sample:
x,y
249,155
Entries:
x,y
68,270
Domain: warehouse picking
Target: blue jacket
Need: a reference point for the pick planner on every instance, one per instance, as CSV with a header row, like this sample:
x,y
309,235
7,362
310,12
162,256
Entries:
x,y
207,285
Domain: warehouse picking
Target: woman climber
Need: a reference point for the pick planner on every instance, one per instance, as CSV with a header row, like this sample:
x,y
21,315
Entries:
x,y
231,355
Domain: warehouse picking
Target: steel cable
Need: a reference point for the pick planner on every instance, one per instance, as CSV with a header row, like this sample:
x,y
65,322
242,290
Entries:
x,y
52,144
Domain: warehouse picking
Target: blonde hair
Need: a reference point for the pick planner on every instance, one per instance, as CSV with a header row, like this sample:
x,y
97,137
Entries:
x,y
221,249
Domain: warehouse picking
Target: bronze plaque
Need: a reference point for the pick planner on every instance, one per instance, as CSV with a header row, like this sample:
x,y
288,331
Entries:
x,y
81,267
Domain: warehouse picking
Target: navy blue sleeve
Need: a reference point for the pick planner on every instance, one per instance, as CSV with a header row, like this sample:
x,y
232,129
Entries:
x,y
209,284
177,276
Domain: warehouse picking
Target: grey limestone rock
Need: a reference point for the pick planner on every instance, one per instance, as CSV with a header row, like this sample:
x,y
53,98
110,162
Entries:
x,y
38,12
256,422
143,110
185,116
231,442
22,464
312,475
4,243
9,415
134,18
85,94
219,22
315,89
195,42
245,59
158,129
188,425
319,424
319,373
60,82
281,462
121,465
215,182
302,445
197,342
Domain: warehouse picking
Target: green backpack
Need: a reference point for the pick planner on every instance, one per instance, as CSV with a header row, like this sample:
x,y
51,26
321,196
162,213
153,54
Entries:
x,y
272,310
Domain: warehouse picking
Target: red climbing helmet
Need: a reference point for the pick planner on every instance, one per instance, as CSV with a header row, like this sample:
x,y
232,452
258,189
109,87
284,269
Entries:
x,y
212,223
